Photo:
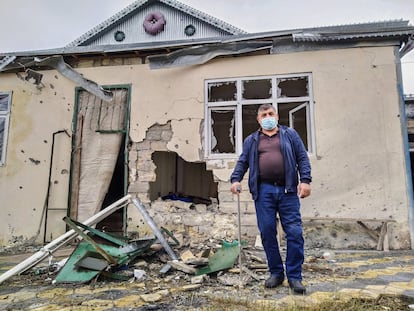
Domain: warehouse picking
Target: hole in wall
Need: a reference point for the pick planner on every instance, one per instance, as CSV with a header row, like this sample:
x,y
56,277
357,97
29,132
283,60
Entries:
x,y
182,180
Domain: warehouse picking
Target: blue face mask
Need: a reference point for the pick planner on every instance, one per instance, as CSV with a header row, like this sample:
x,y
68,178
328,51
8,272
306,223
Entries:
x,y
268,123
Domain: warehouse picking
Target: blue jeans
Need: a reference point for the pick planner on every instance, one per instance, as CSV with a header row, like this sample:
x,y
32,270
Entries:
x,y
273,201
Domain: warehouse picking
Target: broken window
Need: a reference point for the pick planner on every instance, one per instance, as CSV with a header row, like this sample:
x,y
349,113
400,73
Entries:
x,y
182,180
5,102
232,109
292,87
257,89
222,125
223,91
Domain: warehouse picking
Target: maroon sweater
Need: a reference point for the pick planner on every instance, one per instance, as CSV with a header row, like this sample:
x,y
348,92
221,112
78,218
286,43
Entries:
x,y
271,166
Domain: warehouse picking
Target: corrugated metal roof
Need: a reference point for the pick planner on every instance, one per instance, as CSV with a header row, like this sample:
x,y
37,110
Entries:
x,y
355,31
129,21
399,33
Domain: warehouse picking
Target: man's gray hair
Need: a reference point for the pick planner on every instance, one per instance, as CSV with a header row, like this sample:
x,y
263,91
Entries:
x,y
265,107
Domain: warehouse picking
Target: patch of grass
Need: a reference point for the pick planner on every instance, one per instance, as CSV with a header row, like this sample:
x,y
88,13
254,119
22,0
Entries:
x,y
382,303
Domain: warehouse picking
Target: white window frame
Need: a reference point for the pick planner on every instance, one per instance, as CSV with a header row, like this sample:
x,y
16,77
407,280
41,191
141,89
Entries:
x,y
238,103
5,114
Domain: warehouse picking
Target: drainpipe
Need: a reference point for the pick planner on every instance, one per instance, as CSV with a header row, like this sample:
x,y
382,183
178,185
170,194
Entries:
x,y
406,147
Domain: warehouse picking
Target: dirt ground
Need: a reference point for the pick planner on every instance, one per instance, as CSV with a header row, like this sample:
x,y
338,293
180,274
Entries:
x,y
175,289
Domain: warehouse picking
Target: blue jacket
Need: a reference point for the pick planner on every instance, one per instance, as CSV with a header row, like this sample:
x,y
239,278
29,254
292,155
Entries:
x,y
295,159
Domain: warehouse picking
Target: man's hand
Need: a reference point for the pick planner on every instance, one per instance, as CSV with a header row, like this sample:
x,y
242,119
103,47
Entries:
x,y
304,190
235,187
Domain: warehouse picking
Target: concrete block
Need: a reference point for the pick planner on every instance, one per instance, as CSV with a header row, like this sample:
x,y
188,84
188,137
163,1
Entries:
x,y
144,145
159,145
138,187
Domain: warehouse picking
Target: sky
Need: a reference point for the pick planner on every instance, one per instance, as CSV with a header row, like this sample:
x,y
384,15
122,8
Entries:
x,y
46,24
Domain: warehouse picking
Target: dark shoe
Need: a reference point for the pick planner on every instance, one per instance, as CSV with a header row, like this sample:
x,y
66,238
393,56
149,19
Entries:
x,y
274,281
297,287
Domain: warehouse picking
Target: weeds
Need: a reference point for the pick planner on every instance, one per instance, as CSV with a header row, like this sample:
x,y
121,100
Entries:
x,y
387,303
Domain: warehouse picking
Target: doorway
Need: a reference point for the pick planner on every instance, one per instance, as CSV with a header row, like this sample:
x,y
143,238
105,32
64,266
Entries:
x,y
99,159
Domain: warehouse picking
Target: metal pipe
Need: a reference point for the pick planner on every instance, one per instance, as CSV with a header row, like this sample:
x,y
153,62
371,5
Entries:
x,y
61,241
239,235
155,229
46,206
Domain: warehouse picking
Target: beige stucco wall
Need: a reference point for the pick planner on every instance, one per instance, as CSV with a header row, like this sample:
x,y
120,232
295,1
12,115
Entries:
x,y
36,113
358,166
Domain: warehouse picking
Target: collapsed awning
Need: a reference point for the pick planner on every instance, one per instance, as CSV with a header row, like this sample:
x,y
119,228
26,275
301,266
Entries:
x,y
200,54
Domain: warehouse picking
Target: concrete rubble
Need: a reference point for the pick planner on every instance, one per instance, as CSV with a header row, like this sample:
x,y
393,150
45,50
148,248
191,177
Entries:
x,y
327,274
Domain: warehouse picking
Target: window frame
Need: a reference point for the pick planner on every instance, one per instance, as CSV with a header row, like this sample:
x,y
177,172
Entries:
x,y
239,102
5,114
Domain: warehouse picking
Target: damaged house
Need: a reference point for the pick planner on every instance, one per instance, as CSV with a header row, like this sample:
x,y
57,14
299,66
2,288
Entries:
x,y
155,102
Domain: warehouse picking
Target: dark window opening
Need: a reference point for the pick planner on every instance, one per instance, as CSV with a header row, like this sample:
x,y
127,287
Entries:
x,y
114,222
182,180
257,89
223,131
222,91
299,119
249,117
293,87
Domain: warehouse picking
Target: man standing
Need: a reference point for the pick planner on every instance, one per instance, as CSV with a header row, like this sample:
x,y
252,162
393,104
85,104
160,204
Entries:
x,y
279,173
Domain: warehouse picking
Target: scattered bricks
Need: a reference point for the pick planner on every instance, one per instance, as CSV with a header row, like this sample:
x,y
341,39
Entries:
x,y
180,266
181,205
198,220
162,206
201,208
197,279
176,219
151,297
186,256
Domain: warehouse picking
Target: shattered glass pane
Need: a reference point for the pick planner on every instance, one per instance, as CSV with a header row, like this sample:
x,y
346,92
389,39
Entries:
x,y
223,131
249,117
222,91
292,87
4,102
257,89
